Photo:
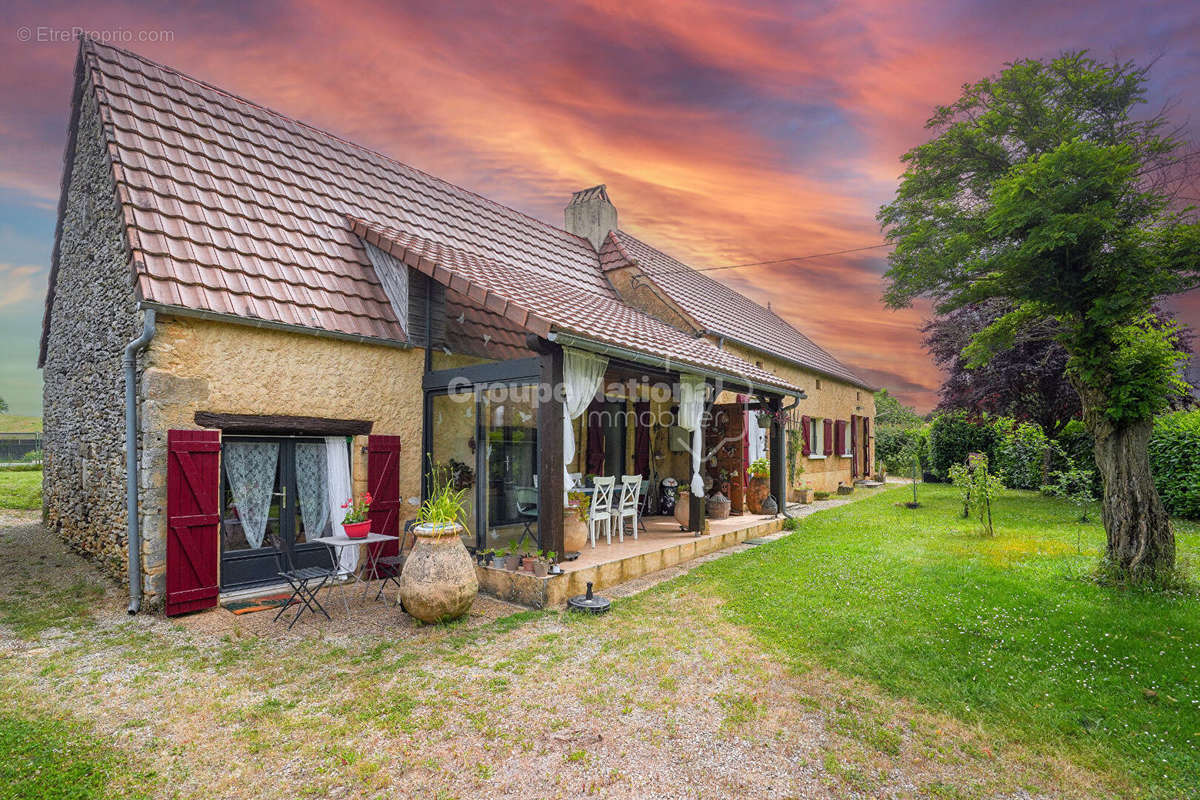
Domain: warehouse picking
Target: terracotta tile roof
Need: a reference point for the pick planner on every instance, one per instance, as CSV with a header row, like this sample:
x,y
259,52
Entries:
x,y
719,309
544,305
234,209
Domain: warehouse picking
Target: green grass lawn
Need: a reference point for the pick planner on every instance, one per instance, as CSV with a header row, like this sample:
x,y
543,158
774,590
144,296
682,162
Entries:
x,y
1006,632
21,489
51,759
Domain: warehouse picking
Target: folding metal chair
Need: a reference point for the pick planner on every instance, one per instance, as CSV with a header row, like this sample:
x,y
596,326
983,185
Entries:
x,y
390,567
301,580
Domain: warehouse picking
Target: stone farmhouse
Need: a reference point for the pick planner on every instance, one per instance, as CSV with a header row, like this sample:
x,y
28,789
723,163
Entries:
x,y
281,317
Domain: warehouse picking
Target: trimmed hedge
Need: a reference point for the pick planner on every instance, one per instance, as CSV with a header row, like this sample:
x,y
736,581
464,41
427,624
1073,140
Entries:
x,y
953,436
1175,462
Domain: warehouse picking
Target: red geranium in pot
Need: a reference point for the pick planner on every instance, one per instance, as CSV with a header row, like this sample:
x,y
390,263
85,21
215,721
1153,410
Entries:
x,y
356,525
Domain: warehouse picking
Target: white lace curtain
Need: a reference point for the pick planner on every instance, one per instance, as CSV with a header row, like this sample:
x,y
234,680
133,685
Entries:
x,y
312,486
251,467
338,473
583,373
757,436
693,392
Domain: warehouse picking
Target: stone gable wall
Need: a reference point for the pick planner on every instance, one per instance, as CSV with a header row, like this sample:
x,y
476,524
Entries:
x,y
93,317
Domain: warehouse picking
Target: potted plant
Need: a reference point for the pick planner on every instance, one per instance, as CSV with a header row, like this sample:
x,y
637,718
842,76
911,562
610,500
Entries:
x,y
821,495
575,516
438,581
804,493
760,484
512,559
683,506
355,523
542,565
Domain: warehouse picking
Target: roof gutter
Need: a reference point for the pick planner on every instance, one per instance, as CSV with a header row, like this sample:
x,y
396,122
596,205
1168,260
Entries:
x,y
571,340
134,539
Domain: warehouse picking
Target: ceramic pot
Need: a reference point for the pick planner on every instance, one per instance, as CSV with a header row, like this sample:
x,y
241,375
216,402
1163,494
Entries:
x,y
438,582
717,507
357,530
540,568
757,492
574,531
512,562
683,508
804,496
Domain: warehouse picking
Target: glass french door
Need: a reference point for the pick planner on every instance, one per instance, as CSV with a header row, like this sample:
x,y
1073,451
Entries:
x,y
486,439
274,497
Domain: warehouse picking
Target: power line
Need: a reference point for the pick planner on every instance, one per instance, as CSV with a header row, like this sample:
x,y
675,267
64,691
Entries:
x,y
777,260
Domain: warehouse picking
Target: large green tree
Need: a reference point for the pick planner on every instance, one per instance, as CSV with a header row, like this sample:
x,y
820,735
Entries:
x,y
1045,189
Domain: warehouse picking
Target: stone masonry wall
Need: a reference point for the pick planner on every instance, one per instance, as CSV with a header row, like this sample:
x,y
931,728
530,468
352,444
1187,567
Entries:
x,y
93,317
834,400
202,365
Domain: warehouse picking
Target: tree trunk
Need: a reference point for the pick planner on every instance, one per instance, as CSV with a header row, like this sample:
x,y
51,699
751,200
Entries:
x,y
1141,544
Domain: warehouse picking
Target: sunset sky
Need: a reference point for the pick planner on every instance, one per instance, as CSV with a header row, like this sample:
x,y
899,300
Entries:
x,y
726,133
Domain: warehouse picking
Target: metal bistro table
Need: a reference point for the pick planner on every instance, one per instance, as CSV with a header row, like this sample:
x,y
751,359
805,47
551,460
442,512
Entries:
x,y
366,566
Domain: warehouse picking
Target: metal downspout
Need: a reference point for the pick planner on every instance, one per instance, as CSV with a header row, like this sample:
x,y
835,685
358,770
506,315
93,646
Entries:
x,y
131,460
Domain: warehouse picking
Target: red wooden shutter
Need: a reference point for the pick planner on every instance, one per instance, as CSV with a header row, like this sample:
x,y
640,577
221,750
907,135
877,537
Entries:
x,y
383,482
839,437
193,519
866,446
853,445
828,437
806,427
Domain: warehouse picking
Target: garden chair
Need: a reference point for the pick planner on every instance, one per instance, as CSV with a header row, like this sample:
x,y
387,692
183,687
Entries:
x,y
600,511
627,506
527,507
302,581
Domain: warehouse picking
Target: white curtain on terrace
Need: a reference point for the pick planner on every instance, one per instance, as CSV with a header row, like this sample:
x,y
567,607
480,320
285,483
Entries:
x,y
338,463
693,391
583,373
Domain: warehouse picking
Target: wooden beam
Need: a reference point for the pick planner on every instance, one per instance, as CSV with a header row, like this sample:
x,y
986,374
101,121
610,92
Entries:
x,y
778,457
550,450
283,425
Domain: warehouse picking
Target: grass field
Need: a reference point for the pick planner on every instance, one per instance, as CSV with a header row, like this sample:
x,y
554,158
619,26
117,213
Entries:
x,y
21,489
1007,632
16,423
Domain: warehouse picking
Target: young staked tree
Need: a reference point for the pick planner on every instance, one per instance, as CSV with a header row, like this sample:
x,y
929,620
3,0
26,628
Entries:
x,y
1042,189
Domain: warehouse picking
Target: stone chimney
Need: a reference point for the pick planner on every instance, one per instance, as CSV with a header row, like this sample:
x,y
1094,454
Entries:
x,y
591,214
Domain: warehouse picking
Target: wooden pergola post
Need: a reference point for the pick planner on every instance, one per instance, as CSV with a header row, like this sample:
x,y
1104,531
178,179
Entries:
x,y
550,447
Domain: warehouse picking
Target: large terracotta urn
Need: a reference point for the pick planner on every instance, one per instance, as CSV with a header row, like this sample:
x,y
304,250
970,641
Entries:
x,y
756,492
438,582
574,531
683,509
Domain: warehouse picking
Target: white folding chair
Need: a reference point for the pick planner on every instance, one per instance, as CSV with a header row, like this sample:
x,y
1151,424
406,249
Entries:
x,y
600,511
627,506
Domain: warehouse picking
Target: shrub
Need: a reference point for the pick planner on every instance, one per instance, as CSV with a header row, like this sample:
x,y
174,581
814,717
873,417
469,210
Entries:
x,y
791,524
1175,462
954,435
1076,486
821,495
1019,452
33,456
892,445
